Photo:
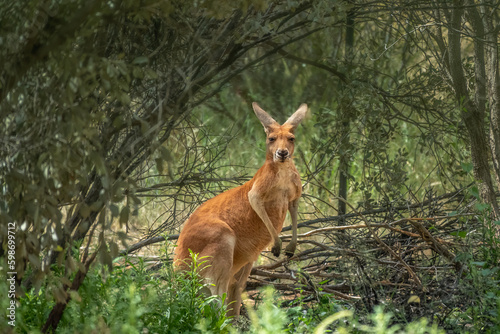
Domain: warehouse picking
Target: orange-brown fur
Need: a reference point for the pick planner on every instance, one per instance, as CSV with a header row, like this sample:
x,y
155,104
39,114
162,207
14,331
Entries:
x,y
233,228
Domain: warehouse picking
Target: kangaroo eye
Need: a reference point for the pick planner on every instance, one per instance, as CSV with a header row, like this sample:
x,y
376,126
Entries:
x,y
292,139
271,139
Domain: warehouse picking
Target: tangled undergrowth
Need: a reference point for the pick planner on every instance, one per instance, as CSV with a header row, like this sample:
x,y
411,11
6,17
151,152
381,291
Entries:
x,y
131,300
426,268
436,259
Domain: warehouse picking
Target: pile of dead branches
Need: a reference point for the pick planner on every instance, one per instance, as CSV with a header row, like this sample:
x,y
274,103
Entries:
x,y
409,254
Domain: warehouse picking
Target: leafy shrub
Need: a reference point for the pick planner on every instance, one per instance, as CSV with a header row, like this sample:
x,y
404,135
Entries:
x,y
269,318
307,315
129,300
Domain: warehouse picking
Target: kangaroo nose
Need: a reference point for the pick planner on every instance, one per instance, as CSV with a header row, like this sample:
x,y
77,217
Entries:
x,y
282,153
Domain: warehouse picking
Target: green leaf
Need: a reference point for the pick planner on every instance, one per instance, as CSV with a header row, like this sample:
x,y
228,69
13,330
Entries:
x,y
486,272
96,206
467,166
481,207
124,214
135,199
105,258
159,165
150,74
113,249
98,162
474,191
140,60
461,234
84,210
114,210
137,73
478,263
414,299
105,182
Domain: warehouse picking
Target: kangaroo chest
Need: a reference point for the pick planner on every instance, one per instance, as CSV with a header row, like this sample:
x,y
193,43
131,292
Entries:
x,y
283,187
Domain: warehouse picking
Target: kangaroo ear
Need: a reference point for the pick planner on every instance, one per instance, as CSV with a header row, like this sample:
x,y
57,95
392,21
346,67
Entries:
x,y
266,120
297,116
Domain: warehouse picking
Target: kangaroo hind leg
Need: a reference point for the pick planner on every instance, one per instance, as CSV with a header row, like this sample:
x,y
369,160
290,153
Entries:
x,y
236,288
219,256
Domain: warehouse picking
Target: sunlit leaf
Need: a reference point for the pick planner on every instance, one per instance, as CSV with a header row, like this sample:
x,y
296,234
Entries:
x,y
414,299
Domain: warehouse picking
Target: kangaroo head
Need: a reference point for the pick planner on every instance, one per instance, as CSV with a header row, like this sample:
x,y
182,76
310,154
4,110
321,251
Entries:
x,y
280,138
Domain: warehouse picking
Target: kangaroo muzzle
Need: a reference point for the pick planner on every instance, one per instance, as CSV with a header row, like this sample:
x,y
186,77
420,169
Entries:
x,y
281,155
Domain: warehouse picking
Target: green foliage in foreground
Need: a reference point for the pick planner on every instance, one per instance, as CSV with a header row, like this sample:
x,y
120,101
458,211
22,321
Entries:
x,y
268,319
131,300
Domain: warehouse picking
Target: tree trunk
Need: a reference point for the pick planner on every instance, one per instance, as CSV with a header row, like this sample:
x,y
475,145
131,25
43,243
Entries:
x,y
493,87
472,115
345,107
57,311
486,76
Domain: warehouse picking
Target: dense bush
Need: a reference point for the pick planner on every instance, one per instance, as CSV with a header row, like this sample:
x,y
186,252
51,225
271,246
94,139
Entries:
x,y
128,300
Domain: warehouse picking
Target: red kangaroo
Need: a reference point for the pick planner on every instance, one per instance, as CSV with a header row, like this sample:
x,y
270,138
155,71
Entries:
x,y
234,227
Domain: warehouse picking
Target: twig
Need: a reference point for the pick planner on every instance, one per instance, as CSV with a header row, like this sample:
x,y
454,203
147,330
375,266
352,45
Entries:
x,y
147,242
437,246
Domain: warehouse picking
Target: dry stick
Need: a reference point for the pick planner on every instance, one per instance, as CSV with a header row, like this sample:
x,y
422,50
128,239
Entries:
x,y
278,263
291,287
351,227
147,242
384,225
275,275
340,294
438,247
347,251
